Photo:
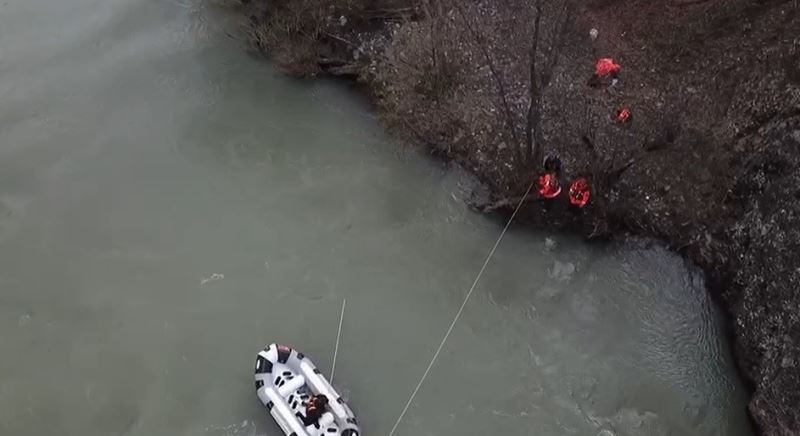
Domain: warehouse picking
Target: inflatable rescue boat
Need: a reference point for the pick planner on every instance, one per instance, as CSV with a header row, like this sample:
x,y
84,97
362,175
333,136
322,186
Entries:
x,y
285,380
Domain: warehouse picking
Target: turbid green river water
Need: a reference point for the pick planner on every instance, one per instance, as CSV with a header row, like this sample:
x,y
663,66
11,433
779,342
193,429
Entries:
x,y
170,204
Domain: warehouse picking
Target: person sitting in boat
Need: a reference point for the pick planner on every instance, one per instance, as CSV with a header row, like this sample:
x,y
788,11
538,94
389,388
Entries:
x,y
315,408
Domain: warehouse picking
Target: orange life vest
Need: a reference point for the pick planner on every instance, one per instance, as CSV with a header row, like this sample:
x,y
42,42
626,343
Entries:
x,y
606,67
579,192
549,186
623,115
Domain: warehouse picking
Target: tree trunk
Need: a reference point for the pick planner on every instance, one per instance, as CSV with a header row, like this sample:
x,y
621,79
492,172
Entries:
x,y
533,125
509,117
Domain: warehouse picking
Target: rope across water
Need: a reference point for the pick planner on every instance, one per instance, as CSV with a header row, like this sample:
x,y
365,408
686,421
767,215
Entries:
x,y
338,336
460,310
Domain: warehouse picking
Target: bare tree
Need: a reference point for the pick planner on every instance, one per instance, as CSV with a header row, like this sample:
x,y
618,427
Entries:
x,y
539,78
534,116
541,66
496,77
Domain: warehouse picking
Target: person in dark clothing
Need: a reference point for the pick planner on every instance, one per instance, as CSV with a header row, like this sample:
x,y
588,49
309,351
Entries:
x,y
315,408
552,164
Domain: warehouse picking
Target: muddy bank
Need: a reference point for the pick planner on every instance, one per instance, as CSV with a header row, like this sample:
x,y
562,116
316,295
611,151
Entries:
x,y
709,163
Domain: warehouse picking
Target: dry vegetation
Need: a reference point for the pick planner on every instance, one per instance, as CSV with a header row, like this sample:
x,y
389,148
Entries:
x,y
467,78
710,164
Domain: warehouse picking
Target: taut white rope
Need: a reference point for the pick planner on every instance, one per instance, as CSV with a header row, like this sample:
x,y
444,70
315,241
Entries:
x,y
338,335
460,310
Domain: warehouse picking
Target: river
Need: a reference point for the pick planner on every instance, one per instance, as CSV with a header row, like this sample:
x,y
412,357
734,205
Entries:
x,y
170,204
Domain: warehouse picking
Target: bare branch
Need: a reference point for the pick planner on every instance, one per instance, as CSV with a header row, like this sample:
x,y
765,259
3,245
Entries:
x,y
504,203
540,80
534,115
339,38
431,31
557,43
496,76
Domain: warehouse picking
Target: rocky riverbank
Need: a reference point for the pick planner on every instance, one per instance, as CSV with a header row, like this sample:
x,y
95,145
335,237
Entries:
x,y
709,162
